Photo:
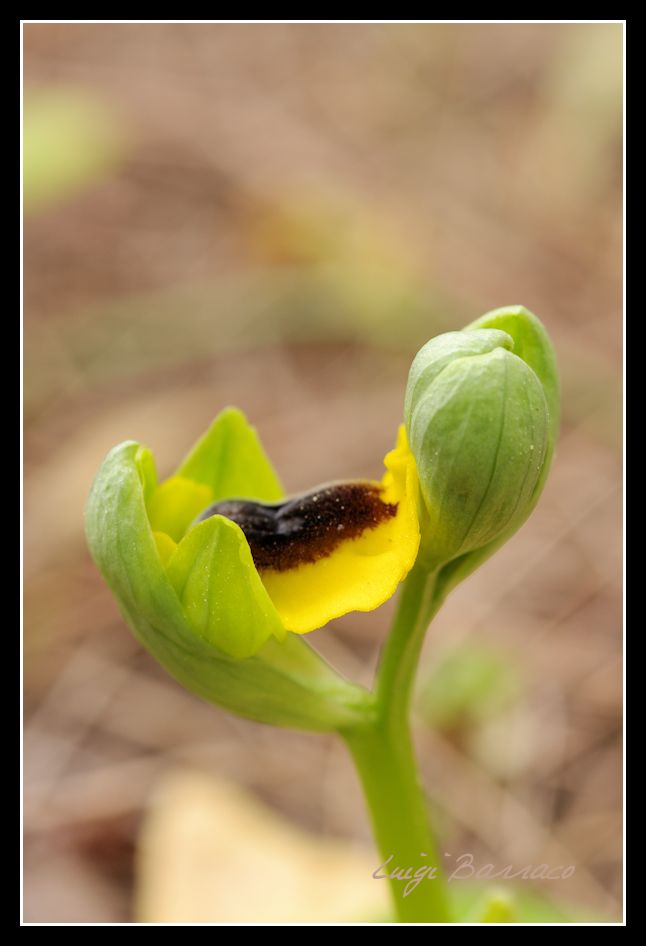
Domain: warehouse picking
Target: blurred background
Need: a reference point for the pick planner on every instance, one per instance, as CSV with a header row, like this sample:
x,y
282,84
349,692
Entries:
x,y
278,217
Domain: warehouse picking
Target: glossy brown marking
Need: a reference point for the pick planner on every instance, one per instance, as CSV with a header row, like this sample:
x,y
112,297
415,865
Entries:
x,y
306,528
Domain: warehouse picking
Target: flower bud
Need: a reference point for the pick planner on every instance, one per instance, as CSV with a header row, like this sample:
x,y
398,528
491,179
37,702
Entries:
x,y
481,413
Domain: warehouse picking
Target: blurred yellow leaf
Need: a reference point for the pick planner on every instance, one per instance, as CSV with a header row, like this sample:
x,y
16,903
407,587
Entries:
x,y
210,853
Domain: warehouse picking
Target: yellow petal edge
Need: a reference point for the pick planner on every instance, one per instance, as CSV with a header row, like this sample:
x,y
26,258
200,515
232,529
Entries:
x,y
363,572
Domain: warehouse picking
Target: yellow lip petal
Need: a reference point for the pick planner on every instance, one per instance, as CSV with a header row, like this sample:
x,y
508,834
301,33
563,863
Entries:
x,y
363,572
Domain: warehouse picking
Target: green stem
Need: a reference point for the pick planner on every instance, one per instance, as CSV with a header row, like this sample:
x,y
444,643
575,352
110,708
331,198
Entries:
x,y
419,601
385,760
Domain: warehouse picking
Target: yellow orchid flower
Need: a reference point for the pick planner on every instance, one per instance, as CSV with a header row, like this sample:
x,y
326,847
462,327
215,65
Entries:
x,y
341,547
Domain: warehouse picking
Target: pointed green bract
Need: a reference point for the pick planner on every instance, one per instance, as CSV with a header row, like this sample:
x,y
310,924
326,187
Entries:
x,y
229,458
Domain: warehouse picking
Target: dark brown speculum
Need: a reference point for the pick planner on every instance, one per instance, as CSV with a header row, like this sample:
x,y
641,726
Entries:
x,y
306,528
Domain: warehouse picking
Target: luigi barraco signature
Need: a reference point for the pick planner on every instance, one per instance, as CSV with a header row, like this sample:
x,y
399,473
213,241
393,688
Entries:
x,y
465,869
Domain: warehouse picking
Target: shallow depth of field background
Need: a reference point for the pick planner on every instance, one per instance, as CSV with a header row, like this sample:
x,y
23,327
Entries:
x,y
278,217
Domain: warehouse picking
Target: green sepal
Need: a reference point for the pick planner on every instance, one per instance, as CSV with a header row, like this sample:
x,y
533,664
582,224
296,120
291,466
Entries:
x,y
531,344
214,576
229,459
440,351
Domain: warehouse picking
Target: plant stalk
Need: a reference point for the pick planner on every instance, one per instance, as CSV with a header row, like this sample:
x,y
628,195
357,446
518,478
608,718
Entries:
x,y
384,757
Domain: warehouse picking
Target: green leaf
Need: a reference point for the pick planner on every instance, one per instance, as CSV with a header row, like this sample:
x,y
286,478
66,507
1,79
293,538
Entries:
x,y
471,683
229,458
